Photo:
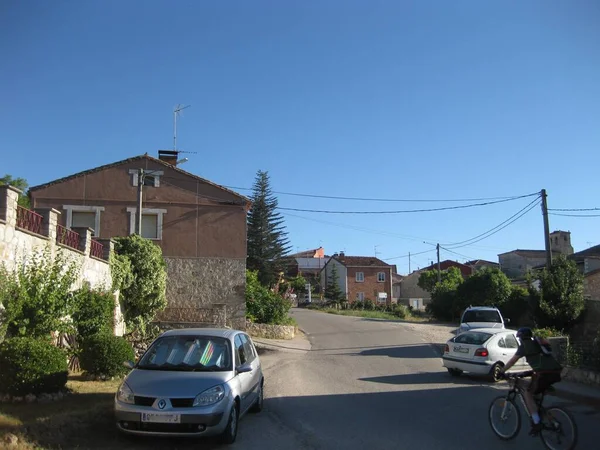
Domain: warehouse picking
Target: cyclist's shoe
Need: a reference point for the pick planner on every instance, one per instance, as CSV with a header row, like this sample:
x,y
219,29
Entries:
x,y
535,429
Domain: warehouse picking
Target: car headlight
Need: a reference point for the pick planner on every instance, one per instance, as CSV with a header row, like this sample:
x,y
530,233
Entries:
x,y
125,394
210,396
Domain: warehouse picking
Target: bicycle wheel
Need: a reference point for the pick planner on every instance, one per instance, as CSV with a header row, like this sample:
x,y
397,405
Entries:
x,y
559,431
505,418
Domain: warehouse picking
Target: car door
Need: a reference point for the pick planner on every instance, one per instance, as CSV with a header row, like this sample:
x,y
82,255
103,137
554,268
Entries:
x,y
254,360
245,379
512,345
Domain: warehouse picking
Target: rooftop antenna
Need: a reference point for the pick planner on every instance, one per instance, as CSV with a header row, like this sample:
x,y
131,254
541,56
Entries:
x,y
176,112
376,252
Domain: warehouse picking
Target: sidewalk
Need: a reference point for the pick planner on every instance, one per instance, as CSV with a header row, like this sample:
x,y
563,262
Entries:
x,y
300,344
577,392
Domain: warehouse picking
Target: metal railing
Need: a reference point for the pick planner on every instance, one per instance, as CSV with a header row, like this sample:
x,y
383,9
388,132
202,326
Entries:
x,y
29,220
67,237
96,249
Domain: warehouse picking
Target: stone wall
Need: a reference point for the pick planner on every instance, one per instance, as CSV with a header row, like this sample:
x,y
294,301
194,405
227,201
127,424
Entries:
x,y
18,243
206,290
261,330
588,325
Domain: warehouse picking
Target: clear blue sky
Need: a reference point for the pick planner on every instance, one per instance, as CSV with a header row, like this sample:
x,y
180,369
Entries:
x,y
385,99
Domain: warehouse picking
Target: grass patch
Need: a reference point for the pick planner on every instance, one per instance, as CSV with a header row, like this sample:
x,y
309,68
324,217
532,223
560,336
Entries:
x,y
373,315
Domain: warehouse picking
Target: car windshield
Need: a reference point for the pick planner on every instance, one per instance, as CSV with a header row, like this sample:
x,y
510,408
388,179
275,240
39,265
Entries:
x,y
482,316
471,337
188,353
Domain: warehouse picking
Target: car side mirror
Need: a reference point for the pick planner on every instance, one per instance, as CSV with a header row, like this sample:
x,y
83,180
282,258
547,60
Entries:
x,y
507,320
244,368
129,364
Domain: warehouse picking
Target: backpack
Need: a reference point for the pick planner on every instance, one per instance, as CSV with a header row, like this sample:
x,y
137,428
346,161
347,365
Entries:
x,y
544,345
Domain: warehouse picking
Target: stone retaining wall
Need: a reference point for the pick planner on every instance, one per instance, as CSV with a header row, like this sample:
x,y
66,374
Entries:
x,y
261,330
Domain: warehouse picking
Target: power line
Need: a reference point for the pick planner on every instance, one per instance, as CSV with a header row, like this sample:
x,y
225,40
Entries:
x,y
500,229
492,229
575,215
411,255
573,209
333,197
458,254
363,229
446,208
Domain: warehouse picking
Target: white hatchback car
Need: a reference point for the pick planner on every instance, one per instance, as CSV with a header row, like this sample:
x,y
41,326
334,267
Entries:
x,y
483,351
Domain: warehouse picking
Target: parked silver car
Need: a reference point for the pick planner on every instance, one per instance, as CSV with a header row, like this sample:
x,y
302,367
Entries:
x,y
191,382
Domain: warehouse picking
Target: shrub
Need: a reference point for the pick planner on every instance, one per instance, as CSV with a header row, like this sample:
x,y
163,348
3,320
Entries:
x,y
94,312
401,311
368,305
263,305
547,332
104,354
31,366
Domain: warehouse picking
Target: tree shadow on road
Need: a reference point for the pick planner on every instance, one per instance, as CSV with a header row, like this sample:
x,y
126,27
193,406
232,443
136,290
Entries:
x,y
418,351
430,378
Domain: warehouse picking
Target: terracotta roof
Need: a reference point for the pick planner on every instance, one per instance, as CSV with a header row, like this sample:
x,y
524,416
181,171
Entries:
x,y
136,158
480,261
361,261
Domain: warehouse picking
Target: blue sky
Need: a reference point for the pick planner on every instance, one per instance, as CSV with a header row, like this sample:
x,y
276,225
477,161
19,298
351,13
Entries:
x,y
389,99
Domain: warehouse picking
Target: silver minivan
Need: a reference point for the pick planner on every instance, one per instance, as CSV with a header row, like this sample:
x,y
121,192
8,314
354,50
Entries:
x,y
191,382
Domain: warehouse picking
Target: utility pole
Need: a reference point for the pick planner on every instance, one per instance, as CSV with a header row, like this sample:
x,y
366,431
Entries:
x,y
409,263
546,229
139,201
438,263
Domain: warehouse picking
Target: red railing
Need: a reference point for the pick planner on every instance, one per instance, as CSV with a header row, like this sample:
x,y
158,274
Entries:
x,y
67,237
97,249
28,220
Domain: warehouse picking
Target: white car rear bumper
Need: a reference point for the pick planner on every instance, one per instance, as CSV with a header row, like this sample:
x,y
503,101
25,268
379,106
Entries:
x,y
479,367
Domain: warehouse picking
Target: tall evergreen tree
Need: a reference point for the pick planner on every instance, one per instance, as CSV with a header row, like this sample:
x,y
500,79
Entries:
x,y
267,238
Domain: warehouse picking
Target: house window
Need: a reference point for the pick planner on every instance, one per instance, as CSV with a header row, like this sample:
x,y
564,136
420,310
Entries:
x,y
360,277
152,222
360,296
381,277
151,177
84,216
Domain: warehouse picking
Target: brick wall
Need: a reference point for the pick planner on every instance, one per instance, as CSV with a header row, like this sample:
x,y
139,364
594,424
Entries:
x,y
370,286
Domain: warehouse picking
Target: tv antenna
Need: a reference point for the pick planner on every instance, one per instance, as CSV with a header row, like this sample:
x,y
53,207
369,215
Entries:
x,y
176,112
376,252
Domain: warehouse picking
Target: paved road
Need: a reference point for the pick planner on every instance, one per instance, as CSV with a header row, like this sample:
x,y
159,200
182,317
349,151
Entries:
x,y
377,385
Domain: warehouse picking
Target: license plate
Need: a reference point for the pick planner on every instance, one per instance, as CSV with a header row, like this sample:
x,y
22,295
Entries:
x,y
461,350
161,418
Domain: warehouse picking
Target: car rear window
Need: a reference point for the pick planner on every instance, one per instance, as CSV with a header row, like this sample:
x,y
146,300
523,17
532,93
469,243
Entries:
x,y
482,316
473,337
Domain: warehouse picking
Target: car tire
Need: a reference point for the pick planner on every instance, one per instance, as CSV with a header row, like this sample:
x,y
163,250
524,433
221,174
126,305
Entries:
x,y
455,372
230,433
495,372
258,405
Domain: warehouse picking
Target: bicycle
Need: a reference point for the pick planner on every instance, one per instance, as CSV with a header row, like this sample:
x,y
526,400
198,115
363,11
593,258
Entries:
x,y
556,422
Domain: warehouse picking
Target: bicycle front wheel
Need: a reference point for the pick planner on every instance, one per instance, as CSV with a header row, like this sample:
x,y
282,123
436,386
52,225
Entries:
x,y
559,431
505,418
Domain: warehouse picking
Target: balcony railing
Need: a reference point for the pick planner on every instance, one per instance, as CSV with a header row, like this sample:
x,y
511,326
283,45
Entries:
x,y
28,220
97,249
67,237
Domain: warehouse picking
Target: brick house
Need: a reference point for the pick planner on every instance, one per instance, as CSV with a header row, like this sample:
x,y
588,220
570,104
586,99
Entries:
x,y
361,277
199,225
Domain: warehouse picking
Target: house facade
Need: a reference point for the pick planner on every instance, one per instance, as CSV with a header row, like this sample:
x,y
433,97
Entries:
x,y
517,263
361,277
200,227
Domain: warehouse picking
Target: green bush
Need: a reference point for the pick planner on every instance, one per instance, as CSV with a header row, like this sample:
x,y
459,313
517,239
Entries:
x,y
31,366
401,311
368,305
104,354
547,332
94,312
263,305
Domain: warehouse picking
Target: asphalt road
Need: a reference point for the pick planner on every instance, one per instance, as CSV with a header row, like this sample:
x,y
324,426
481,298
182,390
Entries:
x,y
375,384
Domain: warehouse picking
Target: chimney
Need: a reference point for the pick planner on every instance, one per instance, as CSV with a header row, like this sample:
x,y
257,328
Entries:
x,y
342,254
168,156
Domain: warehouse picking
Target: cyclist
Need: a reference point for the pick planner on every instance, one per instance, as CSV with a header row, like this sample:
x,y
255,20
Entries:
x,y
546,370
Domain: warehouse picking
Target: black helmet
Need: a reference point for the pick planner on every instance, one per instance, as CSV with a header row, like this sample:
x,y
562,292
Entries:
x,y
524,332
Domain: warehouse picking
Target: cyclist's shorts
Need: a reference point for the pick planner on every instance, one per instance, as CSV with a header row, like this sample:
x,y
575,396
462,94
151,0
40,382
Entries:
x,y
542,381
